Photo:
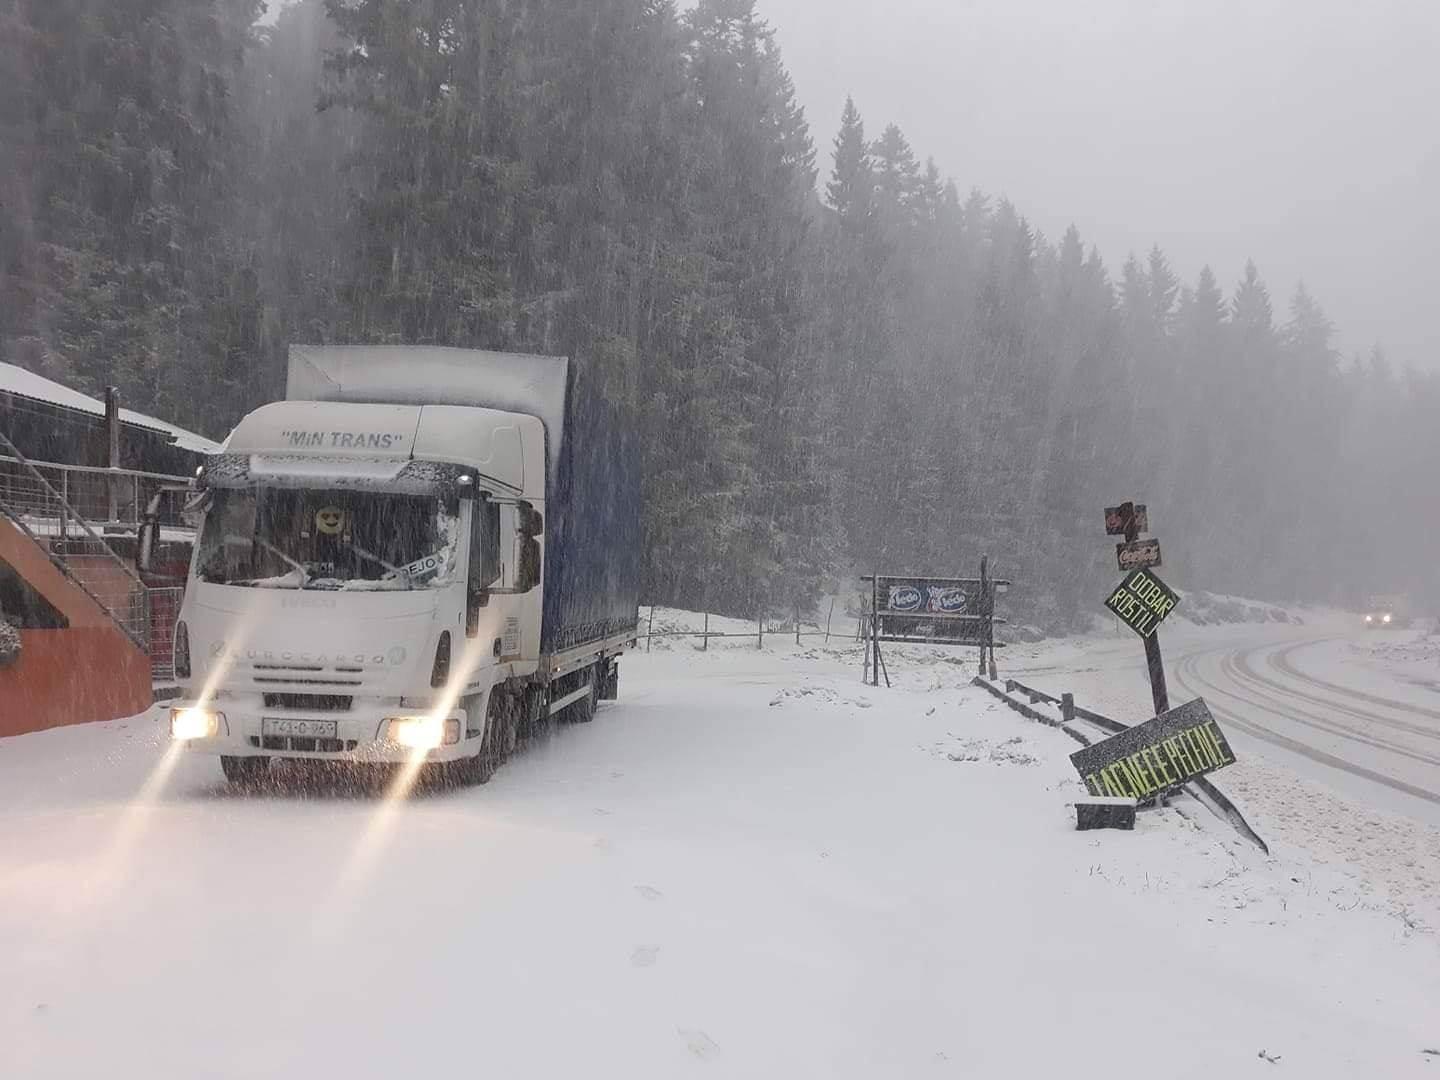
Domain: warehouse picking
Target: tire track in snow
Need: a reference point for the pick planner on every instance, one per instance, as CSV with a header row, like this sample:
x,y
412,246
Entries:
x,y
1280,661
1189,676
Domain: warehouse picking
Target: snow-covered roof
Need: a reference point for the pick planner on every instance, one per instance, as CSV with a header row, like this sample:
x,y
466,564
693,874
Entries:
x,y
26,384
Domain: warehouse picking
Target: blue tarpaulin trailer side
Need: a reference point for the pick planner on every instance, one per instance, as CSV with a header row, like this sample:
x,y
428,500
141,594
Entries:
x,y
593,535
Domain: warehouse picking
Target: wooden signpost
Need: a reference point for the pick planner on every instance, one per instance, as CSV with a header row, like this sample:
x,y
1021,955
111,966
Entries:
x,y
1142,600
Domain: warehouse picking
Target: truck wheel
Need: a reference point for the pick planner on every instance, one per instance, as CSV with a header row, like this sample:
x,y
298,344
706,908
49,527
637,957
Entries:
x,y
610,681
583,711
495,745
245,771
533,714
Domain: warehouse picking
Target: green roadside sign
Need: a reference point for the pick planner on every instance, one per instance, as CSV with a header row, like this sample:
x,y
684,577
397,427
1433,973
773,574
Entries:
x,y
1141,601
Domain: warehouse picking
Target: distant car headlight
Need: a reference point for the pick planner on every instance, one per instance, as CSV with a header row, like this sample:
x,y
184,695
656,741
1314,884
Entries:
x,y
1369,618
1385,618
187,724
422,732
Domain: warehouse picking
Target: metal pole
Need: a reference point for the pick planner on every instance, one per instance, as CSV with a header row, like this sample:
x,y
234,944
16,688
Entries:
x,y
760,631
112,424
827,620
797,624
650,628
705,641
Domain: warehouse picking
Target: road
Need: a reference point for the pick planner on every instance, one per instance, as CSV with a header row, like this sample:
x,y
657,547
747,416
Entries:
x,y
1325,706
751,865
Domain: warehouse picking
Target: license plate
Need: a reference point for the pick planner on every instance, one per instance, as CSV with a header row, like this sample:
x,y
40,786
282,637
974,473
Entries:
x,y
302,729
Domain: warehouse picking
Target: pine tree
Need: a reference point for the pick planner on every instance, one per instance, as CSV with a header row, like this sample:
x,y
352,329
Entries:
x,y
851,186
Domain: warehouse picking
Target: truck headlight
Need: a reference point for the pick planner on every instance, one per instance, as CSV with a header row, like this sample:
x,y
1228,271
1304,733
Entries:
x,y
1384,618
1369,618
422,732
186,724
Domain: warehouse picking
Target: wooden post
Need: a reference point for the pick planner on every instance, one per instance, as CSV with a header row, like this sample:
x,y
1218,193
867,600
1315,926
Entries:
x,y
827,620
650,628
879,661
1067,708
984,603
760,631
797,624
705,638
1153,660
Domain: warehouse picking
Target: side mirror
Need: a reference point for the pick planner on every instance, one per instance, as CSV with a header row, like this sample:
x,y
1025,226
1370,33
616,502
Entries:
x,y
527,574
145,546
528,570
532,522
475,599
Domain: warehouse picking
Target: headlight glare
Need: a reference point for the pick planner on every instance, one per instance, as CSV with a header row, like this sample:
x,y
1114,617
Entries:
x,y
193,723
422,732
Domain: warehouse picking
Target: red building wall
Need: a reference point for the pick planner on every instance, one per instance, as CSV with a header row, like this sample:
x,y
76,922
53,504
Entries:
x,y
89,671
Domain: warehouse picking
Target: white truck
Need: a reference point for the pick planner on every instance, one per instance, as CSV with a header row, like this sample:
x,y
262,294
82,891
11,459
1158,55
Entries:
x,y
416,556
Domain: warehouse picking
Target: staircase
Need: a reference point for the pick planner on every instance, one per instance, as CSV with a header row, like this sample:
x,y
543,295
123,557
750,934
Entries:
x,y
77,515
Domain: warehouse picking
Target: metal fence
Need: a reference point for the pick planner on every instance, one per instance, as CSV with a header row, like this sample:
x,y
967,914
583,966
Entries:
x,y
68,511
54,500
163,609
646,630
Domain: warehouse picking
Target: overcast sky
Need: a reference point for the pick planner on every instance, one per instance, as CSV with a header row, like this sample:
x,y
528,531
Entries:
x,y
1304,134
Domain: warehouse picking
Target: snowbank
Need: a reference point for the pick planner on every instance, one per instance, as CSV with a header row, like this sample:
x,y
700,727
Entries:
x,y
751,863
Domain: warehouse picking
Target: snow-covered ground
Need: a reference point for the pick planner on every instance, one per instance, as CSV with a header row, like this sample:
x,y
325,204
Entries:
x,y
750,865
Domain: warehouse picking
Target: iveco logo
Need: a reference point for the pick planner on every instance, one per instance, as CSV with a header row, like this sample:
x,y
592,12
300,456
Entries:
x,y
904,598
394,657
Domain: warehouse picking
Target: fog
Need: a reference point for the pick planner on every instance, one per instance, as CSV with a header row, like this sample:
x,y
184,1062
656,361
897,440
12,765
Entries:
x,y
896,374
1299,133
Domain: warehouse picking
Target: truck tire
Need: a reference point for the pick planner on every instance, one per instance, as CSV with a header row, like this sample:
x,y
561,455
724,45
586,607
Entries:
x,y
534,717
495,745
610,681
245,771
583,711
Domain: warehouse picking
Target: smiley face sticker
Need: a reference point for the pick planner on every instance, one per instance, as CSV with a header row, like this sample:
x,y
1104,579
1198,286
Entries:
x,y
330,520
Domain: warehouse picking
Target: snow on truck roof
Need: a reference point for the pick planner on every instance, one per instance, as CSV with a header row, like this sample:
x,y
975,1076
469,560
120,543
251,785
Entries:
x,y
370,443
435,375
26,384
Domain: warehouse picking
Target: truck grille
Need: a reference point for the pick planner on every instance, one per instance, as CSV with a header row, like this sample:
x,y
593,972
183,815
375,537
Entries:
x,y
306,675
310,702
308,746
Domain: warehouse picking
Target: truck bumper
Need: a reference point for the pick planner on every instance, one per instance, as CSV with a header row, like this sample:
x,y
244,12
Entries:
x,y
222,728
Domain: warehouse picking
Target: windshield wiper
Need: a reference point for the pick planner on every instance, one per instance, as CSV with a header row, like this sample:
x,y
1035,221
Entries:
x,y
398,571
304,574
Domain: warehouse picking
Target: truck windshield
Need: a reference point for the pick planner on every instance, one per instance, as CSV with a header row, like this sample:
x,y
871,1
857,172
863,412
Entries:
x,y
281,538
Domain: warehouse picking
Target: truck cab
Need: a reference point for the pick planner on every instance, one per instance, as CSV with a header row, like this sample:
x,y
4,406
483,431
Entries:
x,y
364,579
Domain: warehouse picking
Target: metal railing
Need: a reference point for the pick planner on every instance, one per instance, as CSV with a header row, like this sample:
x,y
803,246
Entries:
x,y
164,610
54,499
646,631
45,512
